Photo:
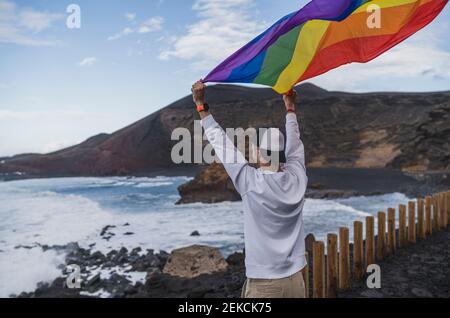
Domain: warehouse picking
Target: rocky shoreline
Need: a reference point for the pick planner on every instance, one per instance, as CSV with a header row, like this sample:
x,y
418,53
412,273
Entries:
x,y
212,184
419,270
142,274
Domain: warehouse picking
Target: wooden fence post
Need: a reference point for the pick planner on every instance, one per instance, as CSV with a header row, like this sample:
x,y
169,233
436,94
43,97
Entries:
x,y
344,258
318,270
332,265
402,226
441,211
370,241
435,213
391,231
428,221
443,197
420,216
448,207
358,250
381,246
306,276
412,222
439,208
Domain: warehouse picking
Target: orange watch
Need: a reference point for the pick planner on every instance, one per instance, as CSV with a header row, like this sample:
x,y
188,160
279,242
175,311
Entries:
x,y
203,108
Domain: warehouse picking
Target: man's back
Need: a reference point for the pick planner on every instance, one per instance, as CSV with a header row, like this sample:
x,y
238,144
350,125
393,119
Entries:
x,y
273,204
274,233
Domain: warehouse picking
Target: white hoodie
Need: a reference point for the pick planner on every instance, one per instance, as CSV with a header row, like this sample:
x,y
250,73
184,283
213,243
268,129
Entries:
x,y
273,203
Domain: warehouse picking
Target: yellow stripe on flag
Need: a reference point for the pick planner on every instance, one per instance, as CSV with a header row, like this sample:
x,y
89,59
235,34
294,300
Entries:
x,y
308,42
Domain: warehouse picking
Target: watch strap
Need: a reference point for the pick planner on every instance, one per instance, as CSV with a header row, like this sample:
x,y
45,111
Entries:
x,y
202,108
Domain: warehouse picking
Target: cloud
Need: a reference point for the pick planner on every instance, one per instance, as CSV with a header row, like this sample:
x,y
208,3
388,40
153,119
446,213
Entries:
x,y
130,16
222,28
88,61
20,25
36,21
152,24
7,11
126,31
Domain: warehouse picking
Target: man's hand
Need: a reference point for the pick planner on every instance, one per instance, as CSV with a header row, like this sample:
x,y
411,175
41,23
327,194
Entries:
x,y
289,100
198,93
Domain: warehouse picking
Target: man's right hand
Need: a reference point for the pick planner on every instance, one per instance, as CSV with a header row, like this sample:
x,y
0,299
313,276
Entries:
x,y
198,93
289,100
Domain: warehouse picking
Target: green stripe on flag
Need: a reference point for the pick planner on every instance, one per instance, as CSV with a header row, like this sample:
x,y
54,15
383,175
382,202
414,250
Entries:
x,y
278,57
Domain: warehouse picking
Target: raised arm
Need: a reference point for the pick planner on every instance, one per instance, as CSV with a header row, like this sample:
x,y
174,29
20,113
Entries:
x,y
232,159
295,151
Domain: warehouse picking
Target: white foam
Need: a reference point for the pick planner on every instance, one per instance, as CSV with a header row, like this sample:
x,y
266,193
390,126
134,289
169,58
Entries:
x,y
42,218
105,273
98,294
22,269
154,184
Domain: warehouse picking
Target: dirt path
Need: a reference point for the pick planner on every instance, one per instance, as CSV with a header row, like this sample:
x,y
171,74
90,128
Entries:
x,y
420,270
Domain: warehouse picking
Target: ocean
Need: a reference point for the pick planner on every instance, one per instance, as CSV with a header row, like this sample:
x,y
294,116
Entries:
x,y
143,213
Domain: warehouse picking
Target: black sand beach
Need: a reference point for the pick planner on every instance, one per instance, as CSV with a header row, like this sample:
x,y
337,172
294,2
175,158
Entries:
x,y
421,270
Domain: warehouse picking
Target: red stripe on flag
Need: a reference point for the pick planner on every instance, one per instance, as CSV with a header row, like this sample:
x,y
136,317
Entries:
x,y
349,51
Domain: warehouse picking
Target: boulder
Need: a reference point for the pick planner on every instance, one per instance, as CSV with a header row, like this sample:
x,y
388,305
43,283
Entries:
x,y
211,185
193,261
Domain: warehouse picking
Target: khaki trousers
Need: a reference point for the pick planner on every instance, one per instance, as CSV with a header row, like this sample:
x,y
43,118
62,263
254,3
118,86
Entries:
x,y
290,287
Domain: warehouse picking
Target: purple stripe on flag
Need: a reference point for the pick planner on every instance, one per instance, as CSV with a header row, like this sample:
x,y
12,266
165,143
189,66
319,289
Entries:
x,y
316,9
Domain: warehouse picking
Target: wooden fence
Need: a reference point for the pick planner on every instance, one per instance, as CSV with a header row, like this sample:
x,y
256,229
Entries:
x,y
333,272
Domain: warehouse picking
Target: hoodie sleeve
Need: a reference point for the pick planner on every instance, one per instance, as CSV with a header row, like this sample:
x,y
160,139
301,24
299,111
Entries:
x,y
295,153
295,150
232,159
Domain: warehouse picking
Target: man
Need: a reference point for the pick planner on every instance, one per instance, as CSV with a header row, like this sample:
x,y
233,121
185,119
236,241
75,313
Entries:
x,y
273,199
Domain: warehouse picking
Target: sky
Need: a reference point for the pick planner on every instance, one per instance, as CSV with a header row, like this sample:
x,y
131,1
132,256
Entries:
x,y
130,58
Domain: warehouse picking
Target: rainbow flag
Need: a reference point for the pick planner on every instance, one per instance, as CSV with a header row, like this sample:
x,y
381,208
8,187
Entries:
x,y
323,35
